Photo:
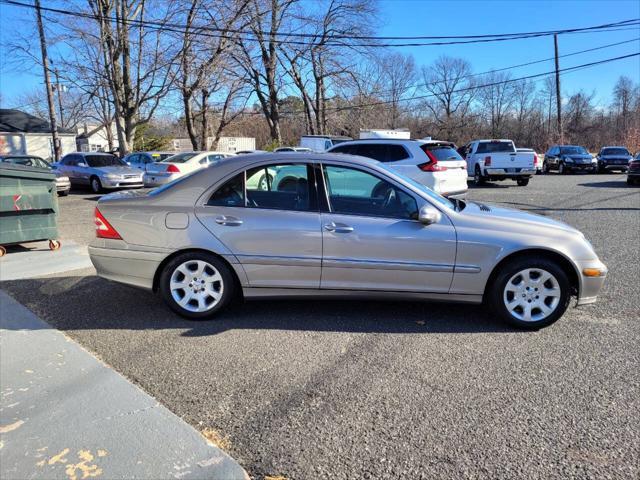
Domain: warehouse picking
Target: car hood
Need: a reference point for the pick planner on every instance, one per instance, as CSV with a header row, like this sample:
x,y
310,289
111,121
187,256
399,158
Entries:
x,y
513,220
119,170
577,156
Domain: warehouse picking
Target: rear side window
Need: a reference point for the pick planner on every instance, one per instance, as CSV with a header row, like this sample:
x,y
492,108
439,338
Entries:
x,y
396,153
231,194
281,187
442,153
495,147
375,151
349,149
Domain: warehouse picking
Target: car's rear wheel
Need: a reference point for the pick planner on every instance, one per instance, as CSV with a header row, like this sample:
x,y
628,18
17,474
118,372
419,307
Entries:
x,y
96,185
523,182
478,178
196,285
63,193
530,294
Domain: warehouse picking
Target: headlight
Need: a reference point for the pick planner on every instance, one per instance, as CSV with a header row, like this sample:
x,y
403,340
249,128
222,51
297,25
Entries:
x,y
112,176
568,160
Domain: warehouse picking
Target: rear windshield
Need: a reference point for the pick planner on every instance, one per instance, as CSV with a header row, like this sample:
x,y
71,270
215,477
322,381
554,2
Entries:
x,y
615,151
495,147
442,153
180,157
158,157
28,161
98,161
573,151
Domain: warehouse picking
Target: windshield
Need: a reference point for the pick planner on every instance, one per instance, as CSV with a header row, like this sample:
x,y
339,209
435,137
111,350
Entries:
x,y
28,161
573,151
98,161
426,190
495,147
615,151
180,157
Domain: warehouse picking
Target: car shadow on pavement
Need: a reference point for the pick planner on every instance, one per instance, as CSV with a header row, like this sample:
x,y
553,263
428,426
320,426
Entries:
x,y
78,303
607,184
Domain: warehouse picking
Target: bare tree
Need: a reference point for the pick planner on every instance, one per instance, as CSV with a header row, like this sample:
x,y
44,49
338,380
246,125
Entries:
x,y
398,73
496,99
448,80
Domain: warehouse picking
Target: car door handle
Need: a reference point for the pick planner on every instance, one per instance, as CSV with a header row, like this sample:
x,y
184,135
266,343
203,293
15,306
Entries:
x,y
338,228
228,221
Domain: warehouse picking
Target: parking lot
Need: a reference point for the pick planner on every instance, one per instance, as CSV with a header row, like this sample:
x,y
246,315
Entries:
x,y
338,389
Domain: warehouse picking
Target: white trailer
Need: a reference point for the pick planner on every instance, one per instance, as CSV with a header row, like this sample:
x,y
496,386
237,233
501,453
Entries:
x,y
321,143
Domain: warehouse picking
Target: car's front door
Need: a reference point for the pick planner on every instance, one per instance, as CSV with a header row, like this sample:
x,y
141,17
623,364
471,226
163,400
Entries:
x,y
372,239
271,226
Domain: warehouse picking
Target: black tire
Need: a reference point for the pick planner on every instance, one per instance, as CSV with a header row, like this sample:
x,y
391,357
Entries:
x,y
601,169
495,291
228,284
478,178
63,193
562,170
545,167
631,181
95,184
522,182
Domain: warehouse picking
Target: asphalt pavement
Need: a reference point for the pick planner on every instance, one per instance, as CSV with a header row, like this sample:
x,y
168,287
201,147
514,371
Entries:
x,y
364,389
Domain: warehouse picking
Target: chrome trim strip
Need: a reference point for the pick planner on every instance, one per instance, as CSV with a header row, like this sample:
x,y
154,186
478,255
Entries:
x,y
467,269
382,265
280,260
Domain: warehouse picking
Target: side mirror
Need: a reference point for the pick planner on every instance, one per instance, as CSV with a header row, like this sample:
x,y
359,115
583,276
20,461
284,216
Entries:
x,y
428,215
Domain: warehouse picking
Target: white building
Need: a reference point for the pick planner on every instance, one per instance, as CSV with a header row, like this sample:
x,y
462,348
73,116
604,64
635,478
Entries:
x,y
24,134
93,138
225,144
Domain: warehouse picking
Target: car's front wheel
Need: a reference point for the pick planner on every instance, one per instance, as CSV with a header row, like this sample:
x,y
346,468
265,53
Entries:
x,y
96,185
530,294
522,182
478,178
196,285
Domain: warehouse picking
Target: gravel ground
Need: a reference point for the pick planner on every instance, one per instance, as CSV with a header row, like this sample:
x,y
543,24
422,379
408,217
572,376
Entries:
x,y
339,390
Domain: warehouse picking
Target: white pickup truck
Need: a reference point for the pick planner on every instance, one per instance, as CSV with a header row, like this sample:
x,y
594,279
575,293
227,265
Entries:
x,y
497,160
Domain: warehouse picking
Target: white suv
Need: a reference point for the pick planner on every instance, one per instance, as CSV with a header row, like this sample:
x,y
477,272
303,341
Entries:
x,y
433,163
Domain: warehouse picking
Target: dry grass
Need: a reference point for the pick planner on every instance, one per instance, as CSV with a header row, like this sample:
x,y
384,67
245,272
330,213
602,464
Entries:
x,y
277,477
216,439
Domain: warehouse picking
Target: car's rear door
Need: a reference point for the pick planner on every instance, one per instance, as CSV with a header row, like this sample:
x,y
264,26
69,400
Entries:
x,y
372,239
273,230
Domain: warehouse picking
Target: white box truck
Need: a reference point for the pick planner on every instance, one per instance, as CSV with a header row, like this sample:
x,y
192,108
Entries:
x,y
399,134
321,143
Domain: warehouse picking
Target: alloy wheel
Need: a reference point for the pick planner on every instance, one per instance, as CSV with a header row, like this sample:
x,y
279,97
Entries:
x,y
196,286
532,295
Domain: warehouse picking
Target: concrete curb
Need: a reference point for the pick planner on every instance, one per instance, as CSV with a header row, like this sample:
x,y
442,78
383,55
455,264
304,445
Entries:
x,y
66,415
39,260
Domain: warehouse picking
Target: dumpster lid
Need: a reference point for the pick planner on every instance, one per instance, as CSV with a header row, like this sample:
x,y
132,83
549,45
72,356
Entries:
x,y
23,171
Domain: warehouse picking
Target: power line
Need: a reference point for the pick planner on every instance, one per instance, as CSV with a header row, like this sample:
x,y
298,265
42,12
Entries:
x,y
225,33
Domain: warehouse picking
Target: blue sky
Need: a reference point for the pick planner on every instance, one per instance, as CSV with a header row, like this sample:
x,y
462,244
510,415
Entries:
x,y
422,17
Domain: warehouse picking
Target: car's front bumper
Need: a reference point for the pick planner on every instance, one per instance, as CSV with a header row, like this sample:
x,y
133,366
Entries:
x,y
63,186
121,183
614,166
590,285
581,166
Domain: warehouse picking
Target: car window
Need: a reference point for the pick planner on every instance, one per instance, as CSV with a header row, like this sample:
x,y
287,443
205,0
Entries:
x,y
442,153
280,186
375,151
615,151
348,149
215,157
27,161
99,161
133,159
396,153
573,150
327,144
495,147
180,157
230,194
355,192
70,160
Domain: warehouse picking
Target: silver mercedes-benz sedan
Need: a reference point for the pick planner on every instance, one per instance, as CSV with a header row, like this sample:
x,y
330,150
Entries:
x,y
330,225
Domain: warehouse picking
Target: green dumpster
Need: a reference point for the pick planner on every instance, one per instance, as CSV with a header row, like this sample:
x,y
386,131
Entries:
x,y
28,206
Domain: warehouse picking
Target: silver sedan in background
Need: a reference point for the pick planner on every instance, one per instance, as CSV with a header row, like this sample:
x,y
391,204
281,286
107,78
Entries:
x,y
99,171
331,225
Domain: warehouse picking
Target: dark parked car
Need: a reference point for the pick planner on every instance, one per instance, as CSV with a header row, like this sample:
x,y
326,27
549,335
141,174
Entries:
x,y
633,174
63,185
568,158
613,158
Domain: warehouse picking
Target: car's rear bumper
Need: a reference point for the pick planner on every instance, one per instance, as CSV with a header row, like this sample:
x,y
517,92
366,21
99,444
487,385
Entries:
x,y
132,267
510,173
158,179
590,286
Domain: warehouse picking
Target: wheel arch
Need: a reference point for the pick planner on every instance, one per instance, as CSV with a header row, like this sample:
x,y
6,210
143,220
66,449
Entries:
x,y
563,261
166,260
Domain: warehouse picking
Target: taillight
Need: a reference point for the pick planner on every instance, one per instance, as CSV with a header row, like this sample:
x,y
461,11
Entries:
x,y
432,164
487,161
535,159
104,228
172,168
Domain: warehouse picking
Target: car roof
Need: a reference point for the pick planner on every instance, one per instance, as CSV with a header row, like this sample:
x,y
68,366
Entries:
x,y
395,140
616,146
18,155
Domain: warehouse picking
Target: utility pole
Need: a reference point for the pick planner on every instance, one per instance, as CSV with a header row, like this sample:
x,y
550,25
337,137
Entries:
x,y
47,82
59,90
558,98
